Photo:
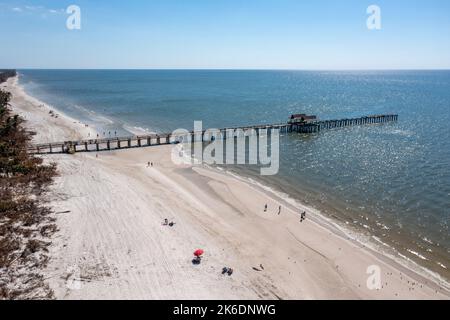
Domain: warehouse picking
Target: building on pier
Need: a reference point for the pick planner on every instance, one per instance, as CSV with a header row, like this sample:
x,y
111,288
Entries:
x,y
301,118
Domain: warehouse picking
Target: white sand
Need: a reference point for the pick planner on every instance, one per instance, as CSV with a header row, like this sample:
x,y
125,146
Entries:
x,y
111,244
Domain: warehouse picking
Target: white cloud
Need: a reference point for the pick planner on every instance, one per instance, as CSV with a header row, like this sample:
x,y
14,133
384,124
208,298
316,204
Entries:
x,y
34,8
37,9
57,11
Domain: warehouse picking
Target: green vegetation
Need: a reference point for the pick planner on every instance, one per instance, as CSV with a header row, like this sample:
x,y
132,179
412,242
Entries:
x,y
5,74
26,224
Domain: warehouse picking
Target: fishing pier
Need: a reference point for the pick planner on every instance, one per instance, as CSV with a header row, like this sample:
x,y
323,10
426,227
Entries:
x,y
298,123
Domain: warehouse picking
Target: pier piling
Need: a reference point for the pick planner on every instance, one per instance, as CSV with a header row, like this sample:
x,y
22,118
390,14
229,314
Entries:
x,y
132,142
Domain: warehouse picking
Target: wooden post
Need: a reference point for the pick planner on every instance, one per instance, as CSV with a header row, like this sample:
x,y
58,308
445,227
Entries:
x,y
129,143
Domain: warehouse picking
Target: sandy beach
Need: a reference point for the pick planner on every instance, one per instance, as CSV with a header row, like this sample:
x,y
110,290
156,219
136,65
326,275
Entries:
x,y
111,243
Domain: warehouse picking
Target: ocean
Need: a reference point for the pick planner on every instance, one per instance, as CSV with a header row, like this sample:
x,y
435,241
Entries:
x,y
390,182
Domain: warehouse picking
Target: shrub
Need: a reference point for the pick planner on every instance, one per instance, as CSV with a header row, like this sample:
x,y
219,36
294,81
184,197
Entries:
x,y
26,224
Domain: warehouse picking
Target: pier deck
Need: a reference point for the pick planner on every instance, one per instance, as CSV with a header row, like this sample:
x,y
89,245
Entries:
x,y
116,143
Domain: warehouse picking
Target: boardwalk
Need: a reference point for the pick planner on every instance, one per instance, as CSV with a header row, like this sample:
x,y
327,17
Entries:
x,y
116,143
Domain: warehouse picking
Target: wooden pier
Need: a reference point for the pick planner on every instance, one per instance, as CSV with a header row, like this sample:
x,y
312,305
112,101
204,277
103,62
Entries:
x,y
116,143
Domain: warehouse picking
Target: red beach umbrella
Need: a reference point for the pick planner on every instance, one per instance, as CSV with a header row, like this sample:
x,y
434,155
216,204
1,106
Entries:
x,y
198,252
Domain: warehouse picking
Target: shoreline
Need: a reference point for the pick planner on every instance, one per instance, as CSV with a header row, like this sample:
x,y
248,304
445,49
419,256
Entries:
x,y
356,233
33,111
323,246
353,233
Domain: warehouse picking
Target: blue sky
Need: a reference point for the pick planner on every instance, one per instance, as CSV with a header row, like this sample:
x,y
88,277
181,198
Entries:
x,y
237,34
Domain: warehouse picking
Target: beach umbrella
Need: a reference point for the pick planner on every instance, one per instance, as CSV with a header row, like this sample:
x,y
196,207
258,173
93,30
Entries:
x,y
198,252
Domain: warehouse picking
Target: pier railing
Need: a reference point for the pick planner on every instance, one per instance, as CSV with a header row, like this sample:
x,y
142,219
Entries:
x,y
116,143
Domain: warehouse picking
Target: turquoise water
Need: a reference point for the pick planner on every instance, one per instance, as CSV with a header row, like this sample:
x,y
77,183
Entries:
x,y
391,181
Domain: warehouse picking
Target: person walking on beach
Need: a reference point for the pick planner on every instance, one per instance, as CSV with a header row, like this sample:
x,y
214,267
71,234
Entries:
x,y
265,207
279,210
302,216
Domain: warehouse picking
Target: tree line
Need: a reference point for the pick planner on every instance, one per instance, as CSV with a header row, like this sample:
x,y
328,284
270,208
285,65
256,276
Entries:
x,y
5,74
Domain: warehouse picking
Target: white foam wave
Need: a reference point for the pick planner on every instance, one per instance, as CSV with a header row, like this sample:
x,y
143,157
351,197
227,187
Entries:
x,y
138,131
441,265
416,254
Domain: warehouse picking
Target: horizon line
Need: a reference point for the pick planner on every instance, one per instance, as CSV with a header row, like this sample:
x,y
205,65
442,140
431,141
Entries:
x,y
232,69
